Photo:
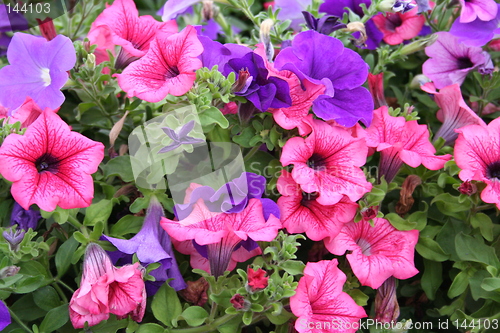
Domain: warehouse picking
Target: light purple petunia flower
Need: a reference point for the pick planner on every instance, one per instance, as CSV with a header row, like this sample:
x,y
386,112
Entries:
x,y
342,72
151,244
4,316
172,8
38,69
423,6
292,10
451,61
485,10
9,21
25,219
477,32
180,137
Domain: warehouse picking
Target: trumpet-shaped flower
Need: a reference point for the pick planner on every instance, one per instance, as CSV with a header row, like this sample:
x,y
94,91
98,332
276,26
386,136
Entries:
x,y
50,165
477,32
300,212
398,27
477,154
38,69
25,219
401,141
378,251
222,233
485,10
319,300
342,73
105,289
328,162
4,316
168,68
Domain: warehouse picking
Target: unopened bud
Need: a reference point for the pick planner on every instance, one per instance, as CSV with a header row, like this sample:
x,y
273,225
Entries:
x,y
9,271
402,6
386,302
418,45
209,11
467,188
418,81
47,28
358,27
240,303
386,5
369,213
90,63
265,38
14,238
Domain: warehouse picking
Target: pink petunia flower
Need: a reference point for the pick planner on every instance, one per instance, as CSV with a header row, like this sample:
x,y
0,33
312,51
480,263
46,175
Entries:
x,y
50,165
378,252
105,289
376,87
398,27
400,141
485,10
328,161
454,112
477,154
26,114
169,67
300,212
222,233
257,280
320,301
127,29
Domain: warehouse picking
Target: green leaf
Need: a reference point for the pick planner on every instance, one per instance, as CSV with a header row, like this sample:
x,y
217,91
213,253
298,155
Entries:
x,y
243,139
432,278
55,319
119,166
211,116
98,212
459,285
430,249
29,284
129,224
63,259
150,328
194,315
359,297
112,325
471,249
293,267
247,318
166,305
26,309
485,225
450,205
46,298
490,284
280,319
232,326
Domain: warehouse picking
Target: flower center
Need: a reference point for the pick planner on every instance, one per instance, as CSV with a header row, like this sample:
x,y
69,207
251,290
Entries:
x,y
171,72
46,76
365,246
493,170
48,163
464,62
393,21
308,197
316,162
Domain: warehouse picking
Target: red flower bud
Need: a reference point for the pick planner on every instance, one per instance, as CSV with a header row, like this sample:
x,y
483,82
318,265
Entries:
x,y
256,279
47,28
467,188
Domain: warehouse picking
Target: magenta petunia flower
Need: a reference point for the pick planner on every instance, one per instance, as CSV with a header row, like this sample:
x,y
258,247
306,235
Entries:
x,y
38,69
398,27
132,32
320,304
451,61
328,161
378,251
300,212
26,114
50,165
169,67
477,32
223,232
477,154
485,10
400,141
454,113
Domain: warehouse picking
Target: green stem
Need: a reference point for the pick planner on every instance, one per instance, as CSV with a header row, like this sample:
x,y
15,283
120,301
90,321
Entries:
x,y
251,153
75,223
205,328
19,321
65,286
59,291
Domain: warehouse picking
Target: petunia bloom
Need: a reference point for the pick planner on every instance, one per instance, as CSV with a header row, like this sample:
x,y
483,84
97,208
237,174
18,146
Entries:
x,y
257,279
292,10
25,219
222,233
4,316
342,73
169,67
152,244
398,27
105,289
180,136
26,114
451,61
377,252
400,141
477,32
328,161
38,69
477,154
324,25
300,212
127,29
376,87
50,165
485,10
320,302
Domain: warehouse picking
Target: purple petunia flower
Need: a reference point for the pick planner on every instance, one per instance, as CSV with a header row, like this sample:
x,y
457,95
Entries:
x,y
214,53
342,72
485,10
4,316
325,25
423,6
38,69
477,32
25,219
337,8
292,10
9,21
264,92
172,8
180,137
451,61
152,244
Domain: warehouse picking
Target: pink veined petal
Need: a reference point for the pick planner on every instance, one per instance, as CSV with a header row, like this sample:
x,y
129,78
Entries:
x,y
126,292
411,26
372,270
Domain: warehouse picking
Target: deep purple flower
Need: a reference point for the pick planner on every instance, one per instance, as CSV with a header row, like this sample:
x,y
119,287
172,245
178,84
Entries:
x,y
264,92
451,61
292,10
483,9
180,137
477,32
214,53
4,43
231,197
151,244
25,219
325,25
337,8
38,69
4,316
342,72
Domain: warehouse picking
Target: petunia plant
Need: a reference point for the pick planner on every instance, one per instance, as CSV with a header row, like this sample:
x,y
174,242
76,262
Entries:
x,y
257,166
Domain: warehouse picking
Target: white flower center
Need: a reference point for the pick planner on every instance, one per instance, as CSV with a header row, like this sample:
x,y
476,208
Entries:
x,y
46,76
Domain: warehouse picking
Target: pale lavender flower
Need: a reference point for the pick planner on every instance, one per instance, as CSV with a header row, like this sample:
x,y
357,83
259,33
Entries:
x,y
180,137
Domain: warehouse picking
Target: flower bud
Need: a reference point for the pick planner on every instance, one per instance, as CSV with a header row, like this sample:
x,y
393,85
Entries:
x,y
265,38
467,188
47,28
14,238
240,303
418,81
369,213
402,6
386,5
209,11
9,271
418,45
90,63
386,302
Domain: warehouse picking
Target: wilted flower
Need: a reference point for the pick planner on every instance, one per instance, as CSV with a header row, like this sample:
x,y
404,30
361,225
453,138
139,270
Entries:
x,y
467,188
240,303
324,25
